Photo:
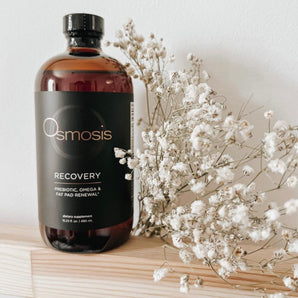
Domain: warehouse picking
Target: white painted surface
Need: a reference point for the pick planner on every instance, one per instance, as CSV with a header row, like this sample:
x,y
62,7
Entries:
x,y
249,47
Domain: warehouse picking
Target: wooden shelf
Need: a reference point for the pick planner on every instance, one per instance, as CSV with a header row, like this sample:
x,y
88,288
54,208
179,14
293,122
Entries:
x,y
29,269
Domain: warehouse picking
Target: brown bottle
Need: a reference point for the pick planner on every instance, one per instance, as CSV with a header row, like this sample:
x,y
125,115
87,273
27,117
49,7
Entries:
x,y
84,102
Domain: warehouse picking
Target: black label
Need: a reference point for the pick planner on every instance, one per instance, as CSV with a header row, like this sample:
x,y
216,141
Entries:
x,y
81,184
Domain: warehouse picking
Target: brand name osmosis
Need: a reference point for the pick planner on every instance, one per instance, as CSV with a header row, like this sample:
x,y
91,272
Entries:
x,y
51,130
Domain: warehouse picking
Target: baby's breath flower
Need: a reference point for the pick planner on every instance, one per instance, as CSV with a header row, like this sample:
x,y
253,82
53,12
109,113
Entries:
x,y
270,265
272,215
122,161
289,283
177,241
184,279
184,288
128,176
213,200
295,270
190,56
195,80
159,90
247,170
172,58
198,187
222,212
280,253
180,210
191,93
200,251
224,174
180,167
196,235
292,181
229,122
132,162
287,234
205,75
198,282
184,283
242,264
293,246
186,256
197,207
106,43
291,206
239,215
130,71
277,166
119,34
175,222
211,254
280,126
270,141
160,274
258,235
204,88
119,153
251,187
268,114
239,252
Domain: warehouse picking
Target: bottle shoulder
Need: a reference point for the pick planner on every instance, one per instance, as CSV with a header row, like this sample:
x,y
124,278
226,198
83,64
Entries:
x,y
66,72
67,61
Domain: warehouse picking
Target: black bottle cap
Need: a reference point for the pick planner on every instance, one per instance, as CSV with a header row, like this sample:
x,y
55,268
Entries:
x,y
83,24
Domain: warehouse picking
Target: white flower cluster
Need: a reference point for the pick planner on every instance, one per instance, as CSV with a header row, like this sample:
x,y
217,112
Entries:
x,y
189,146
160,273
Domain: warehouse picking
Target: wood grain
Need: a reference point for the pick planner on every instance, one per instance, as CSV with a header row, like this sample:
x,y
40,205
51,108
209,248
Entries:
x,y
29,269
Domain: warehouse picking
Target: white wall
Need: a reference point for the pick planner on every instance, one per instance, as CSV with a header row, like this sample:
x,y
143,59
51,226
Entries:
x,y
249,47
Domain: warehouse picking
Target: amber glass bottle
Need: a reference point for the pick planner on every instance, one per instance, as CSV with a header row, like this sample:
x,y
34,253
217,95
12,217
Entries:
x,y
84,102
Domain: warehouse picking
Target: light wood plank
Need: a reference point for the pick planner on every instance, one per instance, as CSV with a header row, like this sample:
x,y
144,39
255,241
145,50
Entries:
x,y
29,269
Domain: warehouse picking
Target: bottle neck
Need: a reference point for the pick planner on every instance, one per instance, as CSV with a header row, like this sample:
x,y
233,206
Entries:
x,y
83,44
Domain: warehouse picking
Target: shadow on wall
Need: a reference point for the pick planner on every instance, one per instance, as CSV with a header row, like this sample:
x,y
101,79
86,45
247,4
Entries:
x,y
240,78
269,89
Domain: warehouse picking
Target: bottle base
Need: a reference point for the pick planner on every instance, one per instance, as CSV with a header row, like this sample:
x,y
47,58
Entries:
x,y
90,241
